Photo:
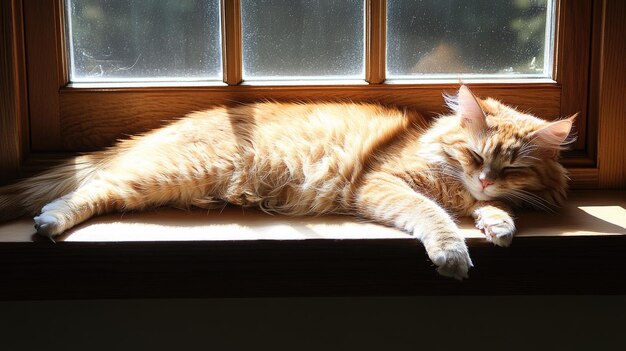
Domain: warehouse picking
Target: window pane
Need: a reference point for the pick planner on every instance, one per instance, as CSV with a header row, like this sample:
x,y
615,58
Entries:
x,y
461,38
296,39
144,40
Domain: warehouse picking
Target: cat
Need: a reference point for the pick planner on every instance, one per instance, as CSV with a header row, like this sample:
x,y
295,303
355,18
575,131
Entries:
x,y
379,163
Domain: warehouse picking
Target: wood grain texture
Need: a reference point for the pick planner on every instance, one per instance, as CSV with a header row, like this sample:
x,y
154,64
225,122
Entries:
x,y
583,178
375,41
593,96
92,119
231,41
612,97
44,51
574,33
13,106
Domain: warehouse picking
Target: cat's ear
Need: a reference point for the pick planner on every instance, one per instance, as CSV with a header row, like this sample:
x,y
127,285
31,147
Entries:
x,y
472,115
554,135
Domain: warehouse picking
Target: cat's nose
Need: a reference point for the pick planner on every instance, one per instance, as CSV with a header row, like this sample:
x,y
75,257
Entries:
x,y
486,182
486,179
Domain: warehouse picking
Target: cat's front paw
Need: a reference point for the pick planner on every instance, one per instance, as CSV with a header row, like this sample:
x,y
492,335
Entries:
x,y
452,258
496,224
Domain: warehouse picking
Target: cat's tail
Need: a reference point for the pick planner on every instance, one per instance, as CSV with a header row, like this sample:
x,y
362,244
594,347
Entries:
x,y
27,197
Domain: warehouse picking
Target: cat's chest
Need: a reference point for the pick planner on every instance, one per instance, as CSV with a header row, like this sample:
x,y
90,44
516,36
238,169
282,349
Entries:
x,y
456,198
449,192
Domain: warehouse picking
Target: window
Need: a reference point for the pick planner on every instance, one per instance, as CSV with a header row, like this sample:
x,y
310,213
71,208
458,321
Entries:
x,y
303,39
144,41
534,54
129,41
448,39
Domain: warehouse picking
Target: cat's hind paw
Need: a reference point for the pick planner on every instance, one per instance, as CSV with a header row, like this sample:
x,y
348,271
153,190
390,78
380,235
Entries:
x,y
51,222
497,225
48,225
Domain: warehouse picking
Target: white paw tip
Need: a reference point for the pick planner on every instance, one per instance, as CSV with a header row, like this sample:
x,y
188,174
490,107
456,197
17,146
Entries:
x,y
503,241
501,231
439,259
45,219
47,225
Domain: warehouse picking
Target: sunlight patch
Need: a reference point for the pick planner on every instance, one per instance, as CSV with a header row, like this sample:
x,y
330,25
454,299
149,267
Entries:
x,y
612,214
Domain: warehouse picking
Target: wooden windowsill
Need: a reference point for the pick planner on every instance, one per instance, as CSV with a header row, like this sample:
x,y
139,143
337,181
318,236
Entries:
x,y
587,213
172,253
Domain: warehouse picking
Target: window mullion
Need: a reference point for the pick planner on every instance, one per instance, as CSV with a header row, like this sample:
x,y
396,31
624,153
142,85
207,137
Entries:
x,y
375,43
231,41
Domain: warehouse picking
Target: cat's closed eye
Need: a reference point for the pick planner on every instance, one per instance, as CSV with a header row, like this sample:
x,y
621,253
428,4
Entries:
x,y
514,170
476,157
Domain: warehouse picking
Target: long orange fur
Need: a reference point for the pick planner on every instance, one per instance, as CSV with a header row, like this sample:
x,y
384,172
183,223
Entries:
x,y
371,161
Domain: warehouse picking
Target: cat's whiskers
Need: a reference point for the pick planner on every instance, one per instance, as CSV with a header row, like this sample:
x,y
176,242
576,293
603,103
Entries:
x,y
450,171
540,199
527,149
517,199
533,200
510,199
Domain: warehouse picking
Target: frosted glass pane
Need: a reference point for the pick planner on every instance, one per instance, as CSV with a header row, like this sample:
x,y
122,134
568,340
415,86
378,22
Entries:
x,y
456,38
294,39
144,40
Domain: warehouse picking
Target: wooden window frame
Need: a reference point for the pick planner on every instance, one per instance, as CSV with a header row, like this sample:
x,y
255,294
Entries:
x,y
61,117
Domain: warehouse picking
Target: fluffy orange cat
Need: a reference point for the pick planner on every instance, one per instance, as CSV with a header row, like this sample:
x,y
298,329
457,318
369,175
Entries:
x,y
375,162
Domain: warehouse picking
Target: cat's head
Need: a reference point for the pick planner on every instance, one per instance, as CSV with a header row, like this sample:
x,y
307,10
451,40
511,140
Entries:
x,y
507,155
